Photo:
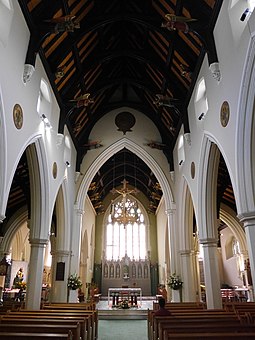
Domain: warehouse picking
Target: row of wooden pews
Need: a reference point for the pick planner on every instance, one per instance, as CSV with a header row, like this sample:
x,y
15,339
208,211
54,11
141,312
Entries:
x,y
76,321
193,320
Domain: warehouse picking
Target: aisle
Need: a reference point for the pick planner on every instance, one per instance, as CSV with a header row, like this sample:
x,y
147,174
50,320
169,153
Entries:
x,y
122,330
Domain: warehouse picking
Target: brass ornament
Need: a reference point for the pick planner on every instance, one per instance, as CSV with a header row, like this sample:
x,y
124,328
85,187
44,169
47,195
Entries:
x,y
18,116
224,114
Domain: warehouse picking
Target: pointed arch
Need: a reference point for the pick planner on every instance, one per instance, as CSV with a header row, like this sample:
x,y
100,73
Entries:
x,y
186,217
229,218
245,141
140,152
63,217
208,189
3,163
14,223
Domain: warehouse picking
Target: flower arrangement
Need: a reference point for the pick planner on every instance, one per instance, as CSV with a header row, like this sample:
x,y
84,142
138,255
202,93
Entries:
x,y
175,282
21,285
124,304
74,282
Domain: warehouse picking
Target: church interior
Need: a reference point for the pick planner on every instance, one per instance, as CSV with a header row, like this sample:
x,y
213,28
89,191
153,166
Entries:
x,y
132,173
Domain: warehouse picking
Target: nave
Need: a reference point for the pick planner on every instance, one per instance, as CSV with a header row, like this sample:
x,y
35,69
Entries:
x,y
122,329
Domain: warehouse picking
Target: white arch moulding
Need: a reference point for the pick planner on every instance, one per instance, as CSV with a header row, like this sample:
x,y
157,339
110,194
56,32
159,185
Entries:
x,y
245,141
140,152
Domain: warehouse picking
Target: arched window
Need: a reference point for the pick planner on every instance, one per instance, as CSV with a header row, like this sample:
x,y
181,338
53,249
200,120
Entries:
x,y
127,235
201,102
44,102
181,152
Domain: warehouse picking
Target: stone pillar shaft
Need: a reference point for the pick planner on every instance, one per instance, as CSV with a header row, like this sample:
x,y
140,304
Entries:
x,y
35,274
211,273
59,289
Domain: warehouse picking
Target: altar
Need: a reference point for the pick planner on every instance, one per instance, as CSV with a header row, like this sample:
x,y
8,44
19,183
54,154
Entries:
x,y
118,295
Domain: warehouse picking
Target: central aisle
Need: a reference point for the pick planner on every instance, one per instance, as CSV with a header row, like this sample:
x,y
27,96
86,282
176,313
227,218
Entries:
x,y
122,330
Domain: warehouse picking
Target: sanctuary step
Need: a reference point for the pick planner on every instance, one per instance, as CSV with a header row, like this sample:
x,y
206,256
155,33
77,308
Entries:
x,y
107,312
120,314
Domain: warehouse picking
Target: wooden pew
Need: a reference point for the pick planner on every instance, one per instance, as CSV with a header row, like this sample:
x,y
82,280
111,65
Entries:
x,y
73,330
90,318
204,326
85,322
77,308
54,322
32,336
180,305
72,305
189,316
211,336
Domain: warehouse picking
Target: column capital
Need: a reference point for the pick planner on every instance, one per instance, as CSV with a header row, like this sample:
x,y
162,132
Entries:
x,y
40,243
247,218
209,241
170,211
78,210
186,252
64,253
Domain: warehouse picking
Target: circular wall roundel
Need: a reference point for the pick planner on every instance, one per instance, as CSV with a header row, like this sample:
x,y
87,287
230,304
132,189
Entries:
x,y
18,116
125,121
192,170
224,114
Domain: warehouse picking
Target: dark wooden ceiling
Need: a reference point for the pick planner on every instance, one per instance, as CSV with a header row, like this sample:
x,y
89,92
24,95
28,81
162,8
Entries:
x,y
123,57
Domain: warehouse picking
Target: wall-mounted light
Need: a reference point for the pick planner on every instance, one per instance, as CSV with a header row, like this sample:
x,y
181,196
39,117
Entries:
x,y
244,15
46,120
67,163
201,116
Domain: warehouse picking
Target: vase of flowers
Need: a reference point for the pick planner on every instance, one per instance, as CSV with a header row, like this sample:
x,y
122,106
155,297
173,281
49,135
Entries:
x,y
124,304
73,284
175,283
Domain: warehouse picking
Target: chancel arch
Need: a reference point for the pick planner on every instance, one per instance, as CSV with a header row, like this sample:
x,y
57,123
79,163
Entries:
x,y
140,152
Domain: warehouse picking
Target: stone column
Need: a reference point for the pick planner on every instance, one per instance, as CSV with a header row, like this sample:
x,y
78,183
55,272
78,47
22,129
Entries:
x,y
76,241
248,220
211,273
171,221
35,273
188,276
174,268
59,289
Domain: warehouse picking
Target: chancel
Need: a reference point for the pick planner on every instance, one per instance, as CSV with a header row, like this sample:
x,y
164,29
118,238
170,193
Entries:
x,y
127,148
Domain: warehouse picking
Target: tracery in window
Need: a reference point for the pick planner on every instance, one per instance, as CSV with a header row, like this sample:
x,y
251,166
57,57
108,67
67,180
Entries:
x,y
127,235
